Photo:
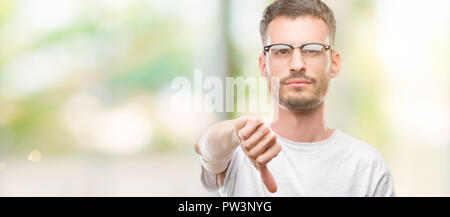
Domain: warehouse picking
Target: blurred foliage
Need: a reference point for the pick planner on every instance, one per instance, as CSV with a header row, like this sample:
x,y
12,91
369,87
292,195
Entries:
x,y
154,54
370,122
6,7
155,72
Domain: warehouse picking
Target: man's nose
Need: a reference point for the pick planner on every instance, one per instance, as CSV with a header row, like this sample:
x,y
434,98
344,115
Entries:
x,y
296,63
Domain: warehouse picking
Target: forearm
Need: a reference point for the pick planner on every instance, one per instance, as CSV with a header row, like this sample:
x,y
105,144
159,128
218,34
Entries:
x,y
216,146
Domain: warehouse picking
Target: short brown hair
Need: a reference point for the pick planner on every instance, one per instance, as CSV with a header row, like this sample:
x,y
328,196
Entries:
x,y
294,9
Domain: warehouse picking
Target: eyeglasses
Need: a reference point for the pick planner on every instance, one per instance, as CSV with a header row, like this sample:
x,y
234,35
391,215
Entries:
x,y
311,53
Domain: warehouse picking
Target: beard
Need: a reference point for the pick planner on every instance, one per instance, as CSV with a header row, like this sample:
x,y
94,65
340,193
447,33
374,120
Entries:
x,y
300,98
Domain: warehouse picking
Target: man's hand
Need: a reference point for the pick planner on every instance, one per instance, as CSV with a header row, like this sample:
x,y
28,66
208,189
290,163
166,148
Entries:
x,y
260,145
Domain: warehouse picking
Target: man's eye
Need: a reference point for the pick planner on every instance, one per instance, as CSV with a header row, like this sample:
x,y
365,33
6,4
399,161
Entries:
x,y
282,51
311,52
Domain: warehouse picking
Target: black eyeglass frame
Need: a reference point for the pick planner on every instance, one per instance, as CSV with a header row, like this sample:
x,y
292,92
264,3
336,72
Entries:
x,y
267,48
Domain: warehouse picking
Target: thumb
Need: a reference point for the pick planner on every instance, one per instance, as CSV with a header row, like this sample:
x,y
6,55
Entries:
x,y
268,179
240,123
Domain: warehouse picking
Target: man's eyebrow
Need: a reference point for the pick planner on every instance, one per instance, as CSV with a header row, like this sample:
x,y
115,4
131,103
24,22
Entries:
x,y
299,44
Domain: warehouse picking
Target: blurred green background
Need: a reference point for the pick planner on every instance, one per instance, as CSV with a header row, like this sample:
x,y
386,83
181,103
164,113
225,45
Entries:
x,y
85,90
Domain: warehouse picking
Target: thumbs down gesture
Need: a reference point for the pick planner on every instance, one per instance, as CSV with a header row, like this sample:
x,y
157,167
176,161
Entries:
x,y
260,145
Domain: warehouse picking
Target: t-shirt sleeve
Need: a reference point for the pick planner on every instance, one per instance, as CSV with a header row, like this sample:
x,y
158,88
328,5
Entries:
x,y
384,184
210,181
385,187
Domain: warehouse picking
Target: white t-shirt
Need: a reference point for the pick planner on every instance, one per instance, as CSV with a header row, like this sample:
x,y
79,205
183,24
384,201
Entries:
x,y
340,165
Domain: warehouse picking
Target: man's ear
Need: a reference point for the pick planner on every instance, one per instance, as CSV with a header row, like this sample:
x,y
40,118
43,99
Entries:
x,y
335,64
262,65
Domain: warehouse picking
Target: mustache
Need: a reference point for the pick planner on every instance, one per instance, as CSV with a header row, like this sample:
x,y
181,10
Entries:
x,y
298,75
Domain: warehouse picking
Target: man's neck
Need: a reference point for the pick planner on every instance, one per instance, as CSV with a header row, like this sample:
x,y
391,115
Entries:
x,y
301,126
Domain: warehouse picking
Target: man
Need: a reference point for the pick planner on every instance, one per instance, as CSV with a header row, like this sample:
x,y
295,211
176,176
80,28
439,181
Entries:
x,y
297,154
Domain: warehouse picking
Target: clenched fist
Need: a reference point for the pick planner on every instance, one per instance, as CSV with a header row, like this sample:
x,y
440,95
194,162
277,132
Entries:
x,y
259,143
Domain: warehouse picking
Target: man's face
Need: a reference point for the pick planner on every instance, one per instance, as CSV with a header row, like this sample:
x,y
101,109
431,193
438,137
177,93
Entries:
x,y
290,75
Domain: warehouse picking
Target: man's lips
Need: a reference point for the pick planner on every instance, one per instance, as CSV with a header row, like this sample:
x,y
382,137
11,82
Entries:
x,y
297,82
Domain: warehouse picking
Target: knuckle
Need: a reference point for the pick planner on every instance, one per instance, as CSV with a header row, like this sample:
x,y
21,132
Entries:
x,y
278,149
243,133
250,119
263,129
240,134
255,120
252,155
244,118
271,139
260,134
246,146
238,120
260,160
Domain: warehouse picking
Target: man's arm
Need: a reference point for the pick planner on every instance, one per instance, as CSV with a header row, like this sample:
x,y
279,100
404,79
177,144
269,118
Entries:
x,y
218,142
216,146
